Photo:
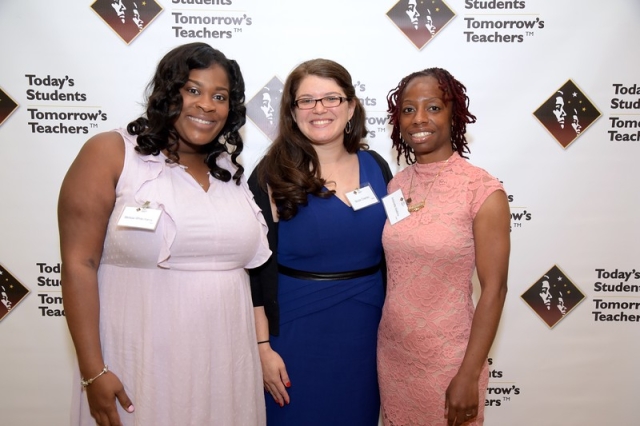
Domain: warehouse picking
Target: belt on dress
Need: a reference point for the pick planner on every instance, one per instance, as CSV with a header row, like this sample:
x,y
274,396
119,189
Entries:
x,y
327,276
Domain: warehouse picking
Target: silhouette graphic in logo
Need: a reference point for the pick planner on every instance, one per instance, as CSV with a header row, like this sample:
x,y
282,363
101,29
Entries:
x,y
567,113
136,17
11,292
7,106
553,296
264,108
127,17
420,20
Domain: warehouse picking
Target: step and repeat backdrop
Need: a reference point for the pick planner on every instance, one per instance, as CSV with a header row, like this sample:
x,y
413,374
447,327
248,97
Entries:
x,y
555,87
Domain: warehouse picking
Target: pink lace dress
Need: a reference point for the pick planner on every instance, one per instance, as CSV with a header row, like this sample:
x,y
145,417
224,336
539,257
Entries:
x,y
426,318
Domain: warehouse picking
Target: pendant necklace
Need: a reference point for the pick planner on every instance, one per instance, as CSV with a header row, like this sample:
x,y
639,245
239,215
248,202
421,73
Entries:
x,y
418,206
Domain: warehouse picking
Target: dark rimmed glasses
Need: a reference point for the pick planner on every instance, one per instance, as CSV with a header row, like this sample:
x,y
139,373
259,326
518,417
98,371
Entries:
x,y
327,102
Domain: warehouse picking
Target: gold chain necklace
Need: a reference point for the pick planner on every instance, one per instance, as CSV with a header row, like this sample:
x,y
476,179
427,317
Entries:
x,y
186,169
418,206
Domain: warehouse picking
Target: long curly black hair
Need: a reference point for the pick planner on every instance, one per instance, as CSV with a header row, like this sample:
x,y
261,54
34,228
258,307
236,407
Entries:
x,y
454,92
156,131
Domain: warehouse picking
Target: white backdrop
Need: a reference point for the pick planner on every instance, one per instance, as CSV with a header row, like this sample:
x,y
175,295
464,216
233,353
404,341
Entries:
x,y
573,207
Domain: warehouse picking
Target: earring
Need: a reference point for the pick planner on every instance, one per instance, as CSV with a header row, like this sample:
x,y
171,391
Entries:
x,y
348,127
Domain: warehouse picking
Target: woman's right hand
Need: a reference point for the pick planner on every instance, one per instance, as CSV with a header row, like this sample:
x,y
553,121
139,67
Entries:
x,y
274,374
102,395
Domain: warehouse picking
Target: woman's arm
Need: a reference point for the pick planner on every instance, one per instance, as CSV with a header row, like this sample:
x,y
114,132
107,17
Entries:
x,y
491,231
86,201
263,290
274,372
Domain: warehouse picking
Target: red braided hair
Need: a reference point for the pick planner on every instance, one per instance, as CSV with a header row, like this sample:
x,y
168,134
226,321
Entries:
x,y
454,92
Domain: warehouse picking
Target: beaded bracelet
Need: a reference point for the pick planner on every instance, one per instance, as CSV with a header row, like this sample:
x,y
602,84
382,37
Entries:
x,y
87,382
264,341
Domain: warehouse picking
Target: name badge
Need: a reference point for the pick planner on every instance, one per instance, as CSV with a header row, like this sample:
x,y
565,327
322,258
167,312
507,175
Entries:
x,y
140,217
396,207
362,197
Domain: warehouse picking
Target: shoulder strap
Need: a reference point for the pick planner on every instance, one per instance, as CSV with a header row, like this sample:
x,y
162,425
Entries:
x,y
384,166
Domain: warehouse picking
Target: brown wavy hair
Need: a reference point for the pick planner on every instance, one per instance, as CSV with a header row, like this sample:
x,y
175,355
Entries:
x,y
454,92
291,167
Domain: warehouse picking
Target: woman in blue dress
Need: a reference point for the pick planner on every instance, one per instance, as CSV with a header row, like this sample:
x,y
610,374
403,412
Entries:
x,y
318,299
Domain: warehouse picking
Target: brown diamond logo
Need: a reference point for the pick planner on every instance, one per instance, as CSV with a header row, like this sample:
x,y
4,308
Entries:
x,y
553,296
12,292
421,20
7,106
567,114
127,18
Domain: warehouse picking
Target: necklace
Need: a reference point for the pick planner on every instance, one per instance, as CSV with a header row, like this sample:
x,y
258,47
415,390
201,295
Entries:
x,y
418,206
186,169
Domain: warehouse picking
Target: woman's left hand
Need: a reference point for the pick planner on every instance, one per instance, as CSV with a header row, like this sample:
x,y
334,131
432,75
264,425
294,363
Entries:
x,y
461,400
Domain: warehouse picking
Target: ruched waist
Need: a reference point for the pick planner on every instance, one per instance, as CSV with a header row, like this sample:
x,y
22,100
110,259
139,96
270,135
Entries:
x,y
300,297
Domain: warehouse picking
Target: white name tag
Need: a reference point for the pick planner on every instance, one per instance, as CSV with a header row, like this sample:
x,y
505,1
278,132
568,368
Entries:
x,y
396,207
362,197
140,217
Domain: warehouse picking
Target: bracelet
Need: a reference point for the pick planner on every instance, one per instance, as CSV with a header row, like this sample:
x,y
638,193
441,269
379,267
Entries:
x,y
87,382
264,341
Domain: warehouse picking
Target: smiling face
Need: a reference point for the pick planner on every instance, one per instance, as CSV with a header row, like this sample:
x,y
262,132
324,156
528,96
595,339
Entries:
x,y
205,107
425,120
322,125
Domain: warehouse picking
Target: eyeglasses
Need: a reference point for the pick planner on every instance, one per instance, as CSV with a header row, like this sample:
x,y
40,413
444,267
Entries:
x,y
327,102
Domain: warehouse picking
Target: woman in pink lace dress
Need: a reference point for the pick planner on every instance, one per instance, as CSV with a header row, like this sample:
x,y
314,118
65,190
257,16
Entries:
x,y
432,342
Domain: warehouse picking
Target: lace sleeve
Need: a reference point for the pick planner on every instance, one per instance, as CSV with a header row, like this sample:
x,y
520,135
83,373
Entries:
x,y
481,185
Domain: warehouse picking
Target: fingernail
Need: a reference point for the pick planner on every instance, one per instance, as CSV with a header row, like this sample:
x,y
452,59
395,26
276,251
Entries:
x,y
281,404
288,384
130,408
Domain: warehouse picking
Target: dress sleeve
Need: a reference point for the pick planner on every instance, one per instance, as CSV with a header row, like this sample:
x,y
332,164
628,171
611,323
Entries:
x,y
264,279
480,187
263,252
384,166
